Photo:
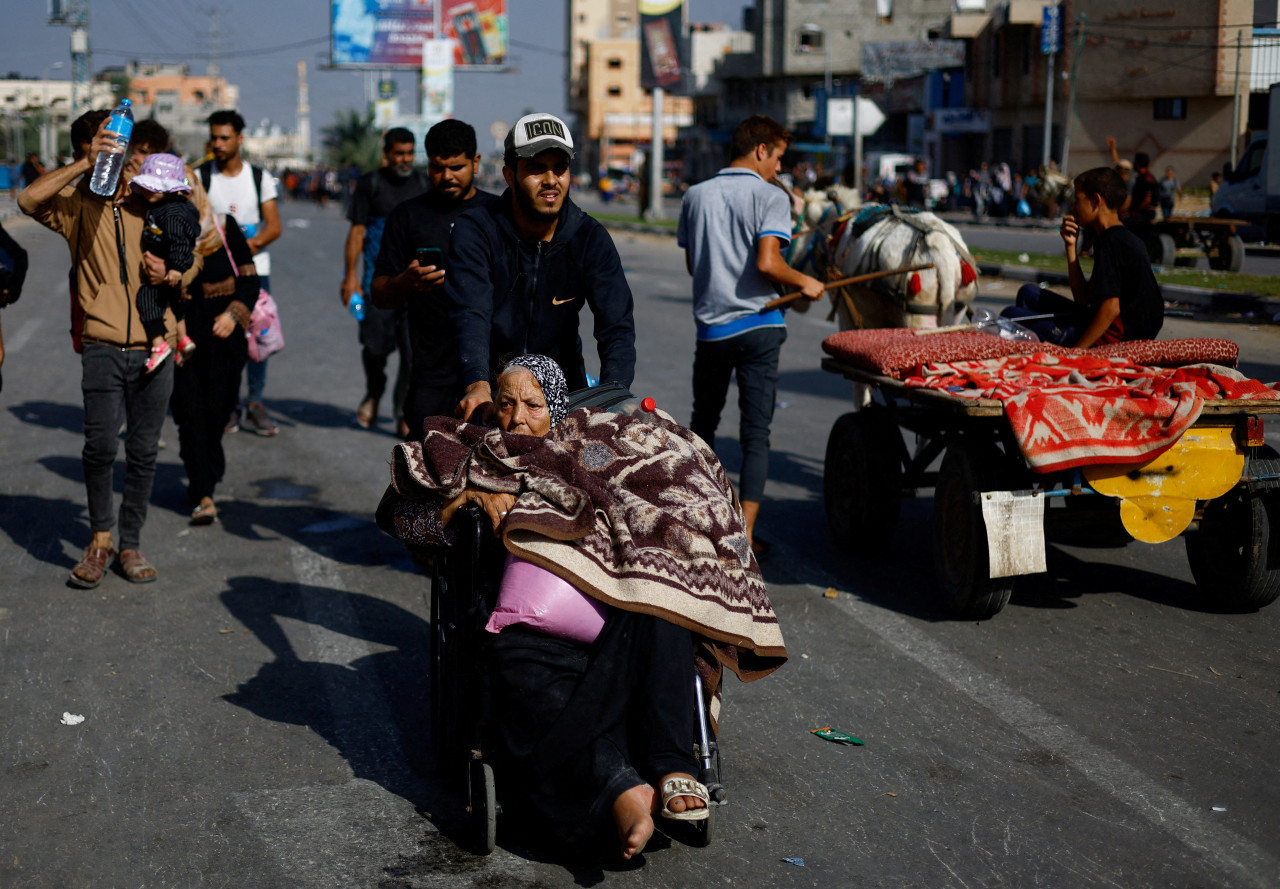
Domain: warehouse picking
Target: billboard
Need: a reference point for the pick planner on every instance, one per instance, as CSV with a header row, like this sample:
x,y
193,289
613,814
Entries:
x,y
662,45
390,33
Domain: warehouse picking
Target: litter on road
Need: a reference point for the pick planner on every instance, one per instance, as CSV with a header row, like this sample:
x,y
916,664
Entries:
x,y
71,719
836,736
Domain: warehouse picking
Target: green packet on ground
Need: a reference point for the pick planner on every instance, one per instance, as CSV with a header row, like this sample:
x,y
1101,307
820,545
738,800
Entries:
x,y
836,736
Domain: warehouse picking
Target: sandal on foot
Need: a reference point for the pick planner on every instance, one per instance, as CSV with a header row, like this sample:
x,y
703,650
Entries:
x,y
186,346
367,413
91,568
674,787
205,513
135,567
158,354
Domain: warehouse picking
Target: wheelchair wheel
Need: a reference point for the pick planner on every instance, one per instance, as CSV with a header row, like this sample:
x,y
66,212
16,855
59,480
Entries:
x,y
704,831
484,806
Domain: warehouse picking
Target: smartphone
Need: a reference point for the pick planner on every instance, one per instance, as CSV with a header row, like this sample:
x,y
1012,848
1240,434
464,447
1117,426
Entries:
x,y
431,256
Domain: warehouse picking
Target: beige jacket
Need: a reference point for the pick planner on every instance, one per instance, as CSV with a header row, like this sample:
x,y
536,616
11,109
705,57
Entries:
x,y
97,230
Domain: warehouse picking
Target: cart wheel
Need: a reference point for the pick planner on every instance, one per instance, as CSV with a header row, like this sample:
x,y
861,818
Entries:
x,y
1168,251
1234,556
484,806
960,557
862,480
1230,256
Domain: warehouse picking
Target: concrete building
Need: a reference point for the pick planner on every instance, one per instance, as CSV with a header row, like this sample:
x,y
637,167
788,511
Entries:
x,y
618,125
36,115
1159,79
179,100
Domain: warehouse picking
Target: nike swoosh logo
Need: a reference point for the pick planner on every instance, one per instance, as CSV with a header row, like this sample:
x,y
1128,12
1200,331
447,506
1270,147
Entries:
x,y
560,302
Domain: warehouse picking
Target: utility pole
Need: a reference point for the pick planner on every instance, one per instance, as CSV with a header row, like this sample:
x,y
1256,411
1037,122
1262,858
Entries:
x,y
1071,101
1235,103
212,69
75,15
1050,36
656,159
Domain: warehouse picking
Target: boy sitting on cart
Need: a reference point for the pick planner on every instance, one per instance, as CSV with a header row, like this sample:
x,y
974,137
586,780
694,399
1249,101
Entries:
x,y
1121,300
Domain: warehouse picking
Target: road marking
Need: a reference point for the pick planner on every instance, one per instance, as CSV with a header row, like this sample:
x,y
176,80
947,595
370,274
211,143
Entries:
x,y
1192,827
23,336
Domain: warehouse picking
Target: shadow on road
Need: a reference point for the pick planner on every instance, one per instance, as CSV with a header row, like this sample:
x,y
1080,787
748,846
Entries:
x,y
298,411
334,699
43,526
50,415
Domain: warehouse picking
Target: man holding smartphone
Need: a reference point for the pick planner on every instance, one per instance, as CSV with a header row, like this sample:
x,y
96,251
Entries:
x,y
382,331
410,270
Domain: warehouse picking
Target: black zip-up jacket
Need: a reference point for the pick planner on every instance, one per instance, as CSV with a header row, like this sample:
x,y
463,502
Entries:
x,y
509,296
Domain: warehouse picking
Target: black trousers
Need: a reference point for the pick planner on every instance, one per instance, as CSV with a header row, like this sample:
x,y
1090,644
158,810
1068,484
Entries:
x,y
205,391
382,332
583,725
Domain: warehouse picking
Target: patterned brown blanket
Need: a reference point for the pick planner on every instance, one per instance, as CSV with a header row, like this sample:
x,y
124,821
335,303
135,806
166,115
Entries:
x,y
635,511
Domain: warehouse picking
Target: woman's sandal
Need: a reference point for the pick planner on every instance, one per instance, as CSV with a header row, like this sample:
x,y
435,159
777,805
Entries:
x,y
158,354
205,513
674,787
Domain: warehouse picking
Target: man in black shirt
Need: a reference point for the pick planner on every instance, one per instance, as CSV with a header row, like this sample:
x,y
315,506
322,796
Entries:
x,y
1121,300
522,268
1145,195
382,331
402,281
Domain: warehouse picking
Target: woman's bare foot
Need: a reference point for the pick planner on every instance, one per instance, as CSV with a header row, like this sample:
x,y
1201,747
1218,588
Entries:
x,y
681,803
633,816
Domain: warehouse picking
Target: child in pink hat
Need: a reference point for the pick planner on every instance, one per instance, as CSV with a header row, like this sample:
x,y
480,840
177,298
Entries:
x,y
169,232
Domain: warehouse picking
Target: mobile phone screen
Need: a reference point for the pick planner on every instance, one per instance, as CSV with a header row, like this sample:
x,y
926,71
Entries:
x,y
431,256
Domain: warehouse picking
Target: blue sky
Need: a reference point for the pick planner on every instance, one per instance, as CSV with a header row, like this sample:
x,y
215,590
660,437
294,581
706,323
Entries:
x,y
178,30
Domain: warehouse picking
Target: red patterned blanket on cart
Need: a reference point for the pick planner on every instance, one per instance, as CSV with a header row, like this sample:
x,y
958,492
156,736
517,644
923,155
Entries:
x,y
1085,408
900,353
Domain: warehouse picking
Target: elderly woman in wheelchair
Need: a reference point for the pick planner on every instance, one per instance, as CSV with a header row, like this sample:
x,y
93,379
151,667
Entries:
x,y
628,573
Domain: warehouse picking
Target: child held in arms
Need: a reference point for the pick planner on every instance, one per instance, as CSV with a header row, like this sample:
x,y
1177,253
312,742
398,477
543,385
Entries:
x,y
169,232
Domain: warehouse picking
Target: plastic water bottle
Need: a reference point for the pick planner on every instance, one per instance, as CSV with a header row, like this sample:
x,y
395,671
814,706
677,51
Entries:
x,y
356,306
106,169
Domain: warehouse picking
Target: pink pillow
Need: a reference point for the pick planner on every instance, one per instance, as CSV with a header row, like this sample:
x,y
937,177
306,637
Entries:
x,y
533,596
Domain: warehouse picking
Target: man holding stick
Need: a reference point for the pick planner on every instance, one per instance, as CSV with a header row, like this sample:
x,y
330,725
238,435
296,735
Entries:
x,y
732,228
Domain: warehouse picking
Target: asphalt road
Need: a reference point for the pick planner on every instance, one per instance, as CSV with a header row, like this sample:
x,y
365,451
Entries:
x,y
256,717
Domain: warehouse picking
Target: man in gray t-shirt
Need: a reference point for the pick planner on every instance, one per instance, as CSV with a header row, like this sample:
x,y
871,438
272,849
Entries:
x,y
732,228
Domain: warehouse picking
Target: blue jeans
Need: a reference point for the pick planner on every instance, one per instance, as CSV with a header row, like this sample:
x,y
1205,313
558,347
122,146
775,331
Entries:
x,y
256,371
1070,318
753,357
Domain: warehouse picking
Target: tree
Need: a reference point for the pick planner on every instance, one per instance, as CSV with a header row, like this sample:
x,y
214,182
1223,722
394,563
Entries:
x,y
352,140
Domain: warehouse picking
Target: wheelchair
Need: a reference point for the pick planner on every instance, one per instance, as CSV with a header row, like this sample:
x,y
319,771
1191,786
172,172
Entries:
x,y
466,578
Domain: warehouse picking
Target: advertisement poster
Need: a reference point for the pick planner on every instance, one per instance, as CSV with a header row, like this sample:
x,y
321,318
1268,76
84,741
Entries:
x,y
437,81
662,47
390,33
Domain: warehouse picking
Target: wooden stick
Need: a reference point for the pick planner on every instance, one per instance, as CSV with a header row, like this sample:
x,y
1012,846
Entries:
x,y
856,279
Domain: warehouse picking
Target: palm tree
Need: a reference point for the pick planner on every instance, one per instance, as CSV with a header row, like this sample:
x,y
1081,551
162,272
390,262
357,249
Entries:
x,y
352,140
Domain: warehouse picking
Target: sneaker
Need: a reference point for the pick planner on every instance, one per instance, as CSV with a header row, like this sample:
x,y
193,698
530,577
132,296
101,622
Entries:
x,y
256,420
233,424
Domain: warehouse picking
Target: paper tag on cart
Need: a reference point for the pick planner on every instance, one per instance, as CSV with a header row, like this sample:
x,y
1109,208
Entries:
x,y
1015,531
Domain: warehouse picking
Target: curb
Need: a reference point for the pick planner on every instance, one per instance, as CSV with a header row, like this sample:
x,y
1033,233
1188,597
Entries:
x,y
1218,302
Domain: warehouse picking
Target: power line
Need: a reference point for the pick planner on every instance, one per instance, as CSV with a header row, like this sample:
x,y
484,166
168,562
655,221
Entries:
x,y
226,55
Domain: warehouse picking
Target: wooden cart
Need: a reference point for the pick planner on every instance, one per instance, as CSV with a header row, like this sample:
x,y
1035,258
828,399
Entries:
x,y
1220,485
1180,240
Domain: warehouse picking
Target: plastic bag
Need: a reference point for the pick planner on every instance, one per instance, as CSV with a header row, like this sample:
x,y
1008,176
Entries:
x,y
1005,328
533,596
